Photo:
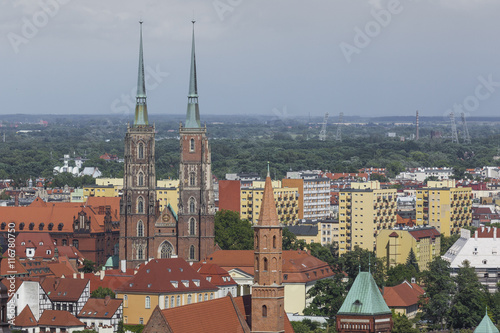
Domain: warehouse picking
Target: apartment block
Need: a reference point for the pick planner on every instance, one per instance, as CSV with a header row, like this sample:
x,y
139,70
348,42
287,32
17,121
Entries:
x,y
444,206
314,195
364,210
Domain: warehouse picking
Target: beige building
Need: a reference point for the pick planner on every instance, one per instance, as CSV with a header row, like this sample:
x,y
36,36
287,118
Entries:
x,y
99,191
314,196
395,245
365,210
286,198
167,192
444,206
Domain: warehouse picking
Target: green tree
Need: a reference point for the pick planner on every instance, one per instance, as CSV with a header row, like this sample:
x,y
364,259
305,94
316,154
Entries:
x,y
447,242
290,241
231,232
327,253
89,266
469,300
397,274
401,324
411,261
102,293
327,297
360,259
439,288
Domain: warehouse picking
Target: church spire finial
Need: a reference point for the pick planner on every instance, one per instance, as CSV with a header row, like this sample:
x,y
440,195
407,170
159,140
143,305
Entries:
x,y
193,111
268,172
141,109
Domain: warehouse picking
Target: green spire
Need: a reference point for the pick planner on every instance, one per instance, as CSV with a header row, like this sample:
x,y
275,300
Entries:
x,y
141,108
486,325
193,110
364,298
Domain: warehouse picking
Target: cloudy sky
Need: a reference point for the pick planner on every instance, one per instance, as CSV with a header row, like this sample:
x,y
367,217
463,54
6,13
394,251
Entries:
x,y
282,57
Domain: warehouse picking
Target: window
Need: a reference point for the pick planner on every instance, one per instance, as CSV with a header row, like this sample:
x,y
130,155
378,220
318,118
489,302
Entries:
x,y
140,253
140,205
192,206
140,229
166,302
141,179
200,297
166,250
265,264
206,297
178,301
191,252
192,179
141,150
172,301
191,145
64,242
148,302
189,299
70,308
192,227
211,295
264,311
274,241
75,243
141,321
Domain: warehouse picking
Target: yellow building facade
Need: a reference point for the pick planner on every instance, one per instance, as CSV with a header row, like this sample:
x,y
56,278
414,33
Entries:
x,y
167,192
444,206
395,245
100,191
365,210
286,198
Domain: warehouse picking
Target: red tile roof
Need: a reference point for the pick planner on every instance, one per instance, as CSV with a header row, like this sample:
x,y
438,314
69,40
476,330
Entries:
x,y
7,268
402,295
63,290
298,266
424,233
58,318
108,280
226,314
215,274
25,318
100,308
167,275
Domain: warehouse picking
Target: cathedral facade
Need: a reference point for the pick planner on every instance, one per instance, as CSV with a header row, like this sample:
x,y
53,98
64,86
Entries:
x,y
145,231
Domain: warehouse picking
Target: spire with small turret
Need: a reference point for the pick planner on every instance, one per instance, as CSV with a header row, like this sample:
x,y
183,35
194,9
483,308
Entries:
x,y
193,110
141,108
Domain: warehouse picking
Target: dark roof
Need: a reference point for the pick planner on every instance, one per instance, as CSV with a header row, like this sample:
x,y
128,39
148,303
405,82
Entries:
x,y
424,233
303,230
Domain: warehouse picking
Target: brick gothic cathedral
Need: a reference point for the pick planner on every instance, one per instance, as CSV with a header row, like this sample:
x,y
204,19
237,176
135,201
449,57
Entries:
x,y
145,231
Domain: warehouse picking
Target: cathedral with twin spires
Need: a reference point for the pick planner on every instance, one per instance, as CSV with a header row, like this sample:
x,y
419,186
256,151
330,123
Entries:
x,y
145,231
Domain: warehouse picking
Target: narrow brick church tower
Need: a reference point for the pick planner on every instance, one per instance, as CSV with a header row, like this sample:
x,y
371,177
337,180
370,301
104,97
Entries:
x,y
196,201
268,293
138,204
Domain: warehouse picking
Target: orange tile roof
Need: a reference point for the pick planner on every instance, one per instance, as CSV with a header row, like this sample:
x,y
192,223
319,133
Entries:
x,y
100,308
218,276
402,295
12,268
59,215
63,290
25,318
113,282
167,275
59,318
298,266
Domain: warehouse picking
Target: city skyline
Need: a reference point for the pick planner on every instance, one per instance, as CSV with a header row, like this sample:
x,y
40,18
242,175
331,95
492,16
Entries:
x,y
287,59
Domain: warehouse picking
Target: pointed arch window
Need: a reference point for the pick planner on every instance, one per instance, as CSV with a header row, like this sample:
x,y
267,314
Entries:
x,y
192,179
192,227
191,252
140,253
140,179
264,311
191,145
166,250
274,242
140,205
265,264
140,229
192,206
141,150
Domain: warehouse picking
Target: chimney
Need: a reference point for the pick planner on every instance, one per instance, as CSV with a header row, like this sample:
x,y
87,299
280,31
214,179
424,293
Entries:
x,y
102,273
123,266
74,275
81,275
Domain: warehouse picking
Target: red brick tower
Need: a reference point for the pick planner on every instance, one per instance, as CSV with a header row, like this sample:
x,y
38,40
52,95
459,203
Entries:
x,y
268,294
196,201
138,204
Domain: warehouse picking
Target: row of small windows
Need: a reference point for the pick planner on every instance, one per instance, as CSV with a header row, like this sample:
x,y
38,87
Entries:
x,y
31,226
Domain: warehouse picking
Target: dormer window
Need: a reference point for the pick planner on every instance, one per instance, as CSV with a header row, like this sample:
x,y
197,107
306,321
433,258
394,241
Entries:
x,y
174,283
185,283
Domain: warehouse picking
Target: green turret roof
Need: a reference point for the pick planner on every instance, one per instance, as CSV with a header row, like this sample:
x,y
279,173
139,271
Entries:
x,y
364,298
486,325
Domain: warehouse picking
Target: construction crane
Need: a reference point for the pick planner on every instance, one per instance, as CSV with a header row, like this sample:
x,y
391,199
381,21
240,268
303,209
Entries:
x,y
339,127
322,133
454,133
465,129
